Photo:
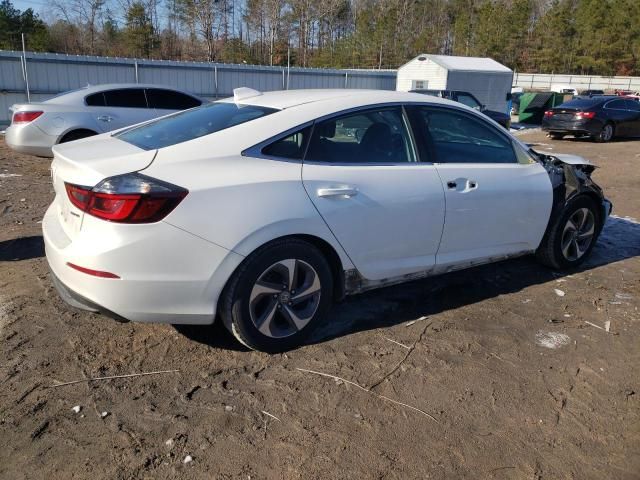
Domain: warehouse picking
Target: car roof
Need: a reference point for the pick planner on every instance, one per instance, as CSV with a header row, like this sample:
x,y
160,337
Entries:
x,y
283,99
75,96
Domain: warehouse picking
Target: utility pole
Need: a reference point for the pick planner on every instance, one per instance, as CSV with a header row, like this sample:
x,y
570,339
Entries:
x,y
25,74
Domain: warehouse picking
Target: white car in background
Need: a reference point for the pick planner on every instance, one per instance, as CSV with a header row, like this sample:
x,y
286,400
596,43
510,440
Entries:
x,y
36,127
262,209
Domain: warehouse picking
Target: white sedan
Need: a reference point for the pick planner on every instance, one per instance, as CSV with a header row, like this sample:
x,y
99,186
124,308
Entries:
x,y
262,209
36,127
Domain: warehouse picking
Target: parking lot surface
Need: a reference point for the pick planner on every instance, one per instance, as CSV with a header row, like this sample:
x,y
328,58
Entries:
x,y
505,371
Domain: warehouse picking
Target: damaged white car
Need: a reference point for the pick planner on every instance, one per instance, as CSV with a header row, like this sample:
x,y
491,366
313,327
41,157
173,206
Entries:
x,y
262,209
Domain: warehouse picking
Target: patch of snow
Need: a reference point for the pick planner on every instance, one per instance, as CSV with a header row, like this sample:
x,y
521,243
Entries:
x,y
619,240
560,293
9,175
552,339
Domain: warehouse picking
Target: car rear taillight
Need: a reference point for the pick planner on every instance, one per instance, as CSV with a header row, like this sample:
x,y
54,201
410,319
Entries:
x,y
130,198
25,117
548,113
585,115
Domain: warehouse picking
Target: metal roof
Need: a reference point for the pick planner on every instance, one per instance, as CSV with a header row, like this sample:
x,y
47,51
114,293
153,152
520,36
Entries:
x,y
466,64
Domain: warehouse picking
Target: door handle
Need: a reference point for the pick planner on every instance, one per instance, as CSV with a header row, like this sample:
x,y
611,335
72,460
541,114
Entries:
x,y
468,184
338,192
105,118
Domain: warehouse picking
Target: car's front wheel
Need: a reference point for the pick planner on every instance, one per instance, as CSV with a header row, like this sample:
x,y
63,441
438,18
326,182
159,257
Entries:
x,y
571,237
277,296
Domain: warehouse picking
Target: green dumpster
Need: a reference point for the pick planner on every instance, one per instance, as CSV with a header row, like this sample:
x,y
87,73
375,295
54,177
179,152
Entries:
x,y
533,105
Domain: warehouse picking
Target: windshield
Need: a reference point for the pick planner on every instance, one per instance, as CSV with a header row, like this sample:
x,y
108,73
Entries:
x,y
191,124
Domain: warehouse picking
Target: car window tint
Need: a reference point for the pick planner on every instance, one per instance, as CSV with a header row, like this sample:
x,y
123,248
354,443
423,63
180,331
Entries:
x,y
373,136
616,105
95,100
632,105
292,146
190,124
468,100
170,100
126,97
459,138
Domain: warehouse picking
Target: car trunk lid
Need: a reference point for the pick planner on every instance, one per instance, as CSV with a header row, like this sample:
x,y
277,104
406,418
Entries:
x,y
565,113
87,162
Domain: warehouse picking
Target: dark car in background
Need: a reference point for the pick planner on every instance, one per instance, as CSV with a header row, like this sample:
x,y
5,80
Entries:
x,y
469,100
601,118
591,93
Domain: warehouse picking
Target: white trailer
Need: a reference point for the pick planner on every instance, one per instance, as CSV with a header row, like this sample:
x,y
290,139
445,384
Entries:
x,y
489,81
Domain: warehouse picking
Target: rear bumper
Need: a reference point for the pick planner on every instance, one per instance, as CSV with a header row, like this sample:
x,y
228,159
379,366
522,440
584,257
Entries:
x,y
30,139
78,301
585,127
166,274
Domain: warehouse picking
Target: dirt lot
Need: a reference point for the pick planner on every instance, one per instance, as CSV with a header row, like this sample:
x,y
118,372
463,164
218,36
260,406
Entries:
x,y
467,349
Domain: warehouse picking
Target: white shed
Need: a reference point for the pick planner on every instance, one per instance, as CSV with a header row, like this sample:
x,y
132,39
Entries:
x,y
488,80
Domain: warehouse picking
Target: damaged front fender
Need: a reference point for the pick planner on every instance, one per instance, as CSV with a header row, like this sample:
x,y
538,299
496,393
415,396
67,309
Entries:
x,y
570,177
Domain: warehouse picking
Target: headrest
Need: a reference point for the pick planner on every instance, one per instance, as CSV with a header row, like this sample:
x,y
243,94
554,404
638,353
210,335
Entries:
x,y
327,129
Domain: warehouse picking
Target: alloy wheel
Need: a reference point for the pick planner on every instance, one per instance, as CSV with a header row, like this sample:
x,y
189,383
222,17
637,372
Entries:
x,y
284,298
607,132
578,234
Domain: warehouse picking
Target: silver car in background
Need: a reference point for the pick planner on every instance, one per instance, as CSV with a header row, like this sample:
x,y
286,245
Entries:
x,y
36,127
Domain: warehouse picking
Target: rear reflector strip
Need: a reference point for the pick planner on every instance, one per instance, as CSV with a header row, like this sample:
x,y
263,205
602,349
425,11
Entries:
x,y
95,273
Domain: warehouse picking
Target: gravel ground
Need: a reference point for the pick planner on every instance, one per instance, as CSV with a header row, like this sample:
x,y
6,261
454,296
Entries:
x,y
506,370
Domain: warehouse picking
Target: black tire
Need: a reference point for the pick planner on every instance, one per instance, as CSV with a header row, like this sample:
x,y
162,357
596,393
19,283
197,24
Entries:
x,y
77,135
556,136
550,252
606,134
238,310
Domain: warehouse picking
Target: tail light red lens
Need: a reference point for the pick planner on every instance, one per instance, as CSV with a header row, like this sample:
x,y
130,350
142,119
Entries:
x,y
548,113
585,115
25,117
79,196
131,198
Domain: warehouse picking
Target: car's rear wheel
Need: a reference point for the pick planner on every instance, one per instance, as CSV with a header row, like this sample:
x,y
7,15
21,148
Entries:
x,y
77,135
606,134
278,296
572,236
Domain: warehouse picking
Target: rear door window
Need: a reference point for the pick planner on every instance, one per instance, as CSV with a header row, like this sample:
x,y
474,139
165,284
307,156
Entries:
x,y
191,124
372,136
163,99
616,105
126,98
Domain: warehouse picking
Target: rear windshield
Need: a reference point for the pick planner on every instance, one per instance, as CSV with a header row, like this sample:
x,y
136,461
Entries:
x,y
191,124
582,103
